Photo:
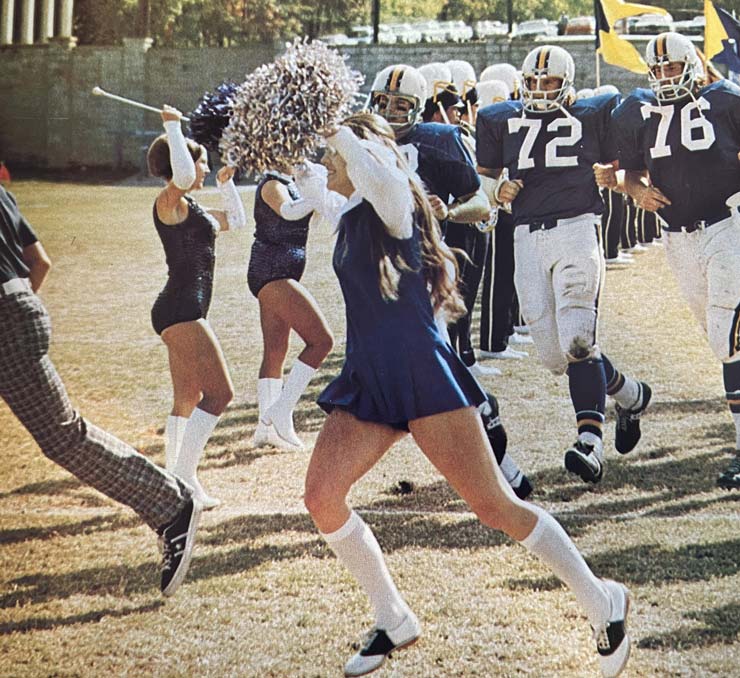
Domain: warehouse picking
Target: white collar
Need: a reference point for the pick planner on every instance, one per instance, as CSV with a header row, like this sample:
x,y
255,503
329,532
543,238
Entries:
x,y
352,202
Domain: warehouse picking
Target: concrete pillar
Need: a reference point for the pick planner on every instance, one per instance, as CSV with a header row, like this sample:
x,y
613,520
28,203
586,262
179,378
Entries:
x,y
47,20
66,23
27,11
7,14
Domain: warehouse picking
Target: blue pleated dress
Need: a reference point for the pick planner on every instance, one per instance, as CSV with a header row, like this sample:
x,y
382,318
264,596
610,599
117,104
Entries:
x,y
397,367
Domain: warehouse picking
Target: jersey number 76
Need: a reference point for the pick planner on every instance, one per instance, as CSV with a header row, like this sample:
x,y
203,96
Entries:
x,y
697,134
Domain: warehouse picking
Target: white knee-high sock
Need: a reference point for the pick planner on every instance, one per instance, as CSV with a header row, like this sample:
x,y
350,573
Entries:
x,y
268,391
355,546
280,413
736,419
298,379
174,430
197,432
549,542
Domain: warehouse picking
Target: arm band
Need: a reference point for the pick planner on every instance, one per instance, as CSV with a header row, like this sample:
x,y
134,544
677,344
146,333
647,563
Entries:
x,y
373,171
475,208
233,206
183,167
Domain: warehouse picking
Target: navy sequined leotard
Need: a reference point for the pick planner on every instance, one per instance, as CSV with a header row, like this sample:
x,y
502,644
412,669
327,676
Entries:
x,y
189,248
279,247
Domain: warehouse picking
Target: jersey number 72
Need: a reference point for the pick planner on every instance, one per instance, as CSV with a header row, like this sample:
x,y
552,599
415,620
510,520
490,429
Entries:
x,y
552,159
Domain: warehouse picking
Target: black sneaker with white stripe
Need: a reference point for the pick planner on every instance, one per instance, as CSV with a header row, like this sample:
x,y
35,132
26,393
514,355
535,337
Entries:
x,y
581,458
177,546
730,479
627,433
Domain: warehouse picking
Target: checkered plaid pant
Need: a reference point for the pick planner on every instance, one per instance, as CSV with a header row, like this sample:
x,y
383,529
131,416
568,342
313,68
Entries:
x,y
30,385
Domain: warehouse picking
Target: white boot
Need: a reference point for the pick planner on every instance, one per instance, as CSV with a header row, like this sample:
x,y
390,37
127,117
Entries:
x,y
268,391
174,430
197,432
280,414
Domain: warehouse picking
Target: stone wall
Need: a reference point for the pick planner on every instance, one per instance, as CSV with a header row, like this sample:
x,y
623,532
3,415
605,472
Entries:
x,y
49,119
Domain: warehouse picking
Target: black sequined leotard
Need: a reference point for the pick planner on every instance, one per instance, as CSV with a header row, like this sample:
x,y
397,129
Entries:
x,y
279,247
189,248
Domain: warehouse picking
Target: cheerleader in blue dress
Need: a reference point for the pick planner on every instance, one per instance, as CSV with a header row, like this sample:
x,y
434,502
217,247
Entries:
x,y
399,376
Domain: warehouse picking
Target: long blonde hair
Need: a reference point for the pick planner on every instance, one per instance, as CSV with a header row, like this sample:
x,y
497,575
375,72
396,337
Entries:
x,y
435,256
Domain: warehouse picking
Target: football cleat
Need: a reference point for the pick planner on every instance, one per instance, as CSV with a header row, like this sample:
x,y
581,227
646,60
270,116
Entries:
x,y
730,479
583,460
627,433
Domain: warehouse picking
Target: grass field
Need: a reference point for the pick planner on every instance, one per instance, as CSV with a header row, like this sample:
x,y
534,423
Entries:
x,y
264,598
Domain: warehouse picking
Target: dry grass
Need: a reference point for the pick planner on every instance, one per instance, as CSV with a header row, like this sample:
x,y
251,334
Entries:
x,y
78,577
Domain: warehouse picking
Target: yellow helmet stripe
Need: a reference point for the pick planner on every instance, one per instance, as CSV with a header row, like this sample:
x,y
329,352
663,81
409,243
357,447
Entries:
x,y
542,58
395,79
660,45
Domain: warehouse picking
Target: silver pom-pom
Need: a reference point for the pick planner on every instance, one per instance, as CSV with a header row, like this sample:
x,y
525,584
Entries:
x,y
280,110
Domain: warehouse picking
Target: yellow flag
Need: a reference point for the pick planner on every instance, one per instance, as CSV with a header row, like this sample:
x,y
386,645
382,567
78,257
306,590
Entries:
x,y
618,52
714,31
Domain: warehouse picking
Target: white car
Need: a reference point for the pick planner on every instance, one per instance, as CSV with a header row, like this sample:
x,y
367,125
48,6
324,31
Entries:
x,y
535,27
431,31
405,33
486,28
337,39
456,31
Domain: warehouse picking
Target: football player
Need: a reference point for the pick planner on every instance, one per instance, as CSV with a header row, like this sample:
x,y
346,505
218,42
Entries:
x,y
678,143
437,153
548,142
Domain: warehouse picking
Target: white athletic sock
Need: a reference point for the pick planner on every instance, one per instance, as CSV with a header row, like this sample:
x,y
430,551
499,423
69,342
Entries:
x,y
280,413
511,470
630,395
174,430
355,546
549,542
197,432
596,441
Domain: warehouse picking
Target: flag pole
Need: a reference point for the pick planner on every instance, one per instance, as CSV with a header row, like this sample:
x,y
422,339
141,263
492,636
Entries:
x,y
598,70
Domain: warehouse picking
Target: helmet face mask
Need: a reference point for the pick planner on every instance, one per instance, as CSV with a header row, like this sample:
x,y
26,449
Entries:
x,y
398,95
543,67
673,65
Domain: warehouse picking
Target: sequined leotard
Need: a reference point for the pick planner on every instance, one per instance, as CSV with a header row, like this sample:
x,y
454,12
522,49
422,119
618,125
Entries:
x,y
189,248
279,247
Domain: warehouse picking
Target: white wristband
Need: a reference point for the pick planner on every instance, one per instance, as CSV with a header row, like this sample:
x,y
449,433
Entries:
x,y
233,206
183,167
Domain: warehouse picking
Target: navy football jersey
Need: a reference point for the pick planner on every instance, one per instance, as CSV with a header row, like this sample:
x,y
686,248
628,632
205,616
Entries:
x,y
445,166
689,147
552,153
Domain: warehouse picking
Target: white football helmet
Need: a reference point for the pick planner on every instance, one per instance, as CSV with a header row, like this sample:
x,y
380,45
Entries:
x,y
606,89
504,72
585,93
543,62
435,72
670,48
462,74
492,91
398,95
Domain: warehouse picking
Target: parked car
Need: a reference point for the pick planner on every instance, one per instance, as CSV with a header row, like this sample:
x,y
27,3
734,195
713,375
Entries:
x,y
649,24
405,33
535,27
338,39
486,28
431,31
581,25
693,26
456,31
364,35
